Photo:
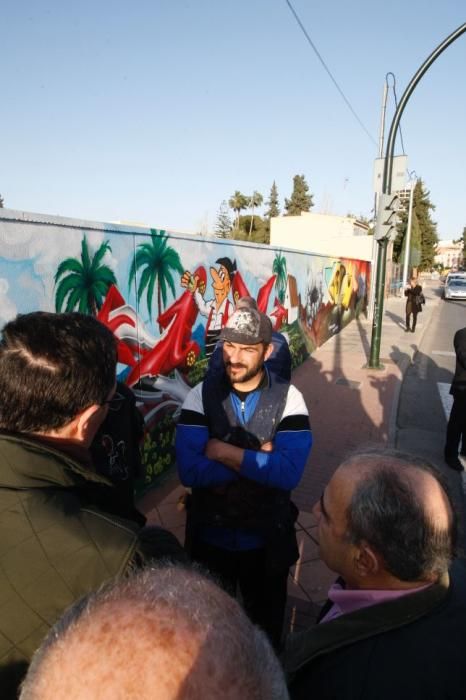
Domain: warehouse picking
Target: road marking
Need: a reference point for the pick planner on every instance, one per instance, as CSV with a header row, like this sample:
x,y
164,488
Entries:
x,y
444,353
445,397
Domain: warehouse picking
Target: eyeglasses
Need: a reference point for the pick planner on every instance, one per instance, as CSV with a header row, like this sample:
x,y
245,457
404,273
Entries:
x,y
115,403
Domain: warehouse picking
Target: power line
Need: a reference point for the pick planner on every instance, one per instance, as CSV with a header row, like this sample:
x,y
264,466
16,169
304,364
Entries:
x,y
314,48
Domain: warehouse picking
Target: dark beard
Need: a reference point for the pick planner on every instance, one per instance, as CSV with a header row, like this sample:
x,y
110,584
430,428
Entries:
x,y
253,372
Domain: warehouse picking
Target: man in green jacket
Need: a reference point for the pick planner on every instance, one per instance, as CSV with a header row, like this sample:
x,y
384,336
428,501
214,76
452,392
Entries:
x,y
57,380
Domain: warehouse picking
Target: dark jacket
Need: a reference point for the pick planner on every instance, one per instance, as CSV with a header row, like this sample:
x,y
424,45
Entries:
x,y
55,546
116,453
458,385
414,299
411,648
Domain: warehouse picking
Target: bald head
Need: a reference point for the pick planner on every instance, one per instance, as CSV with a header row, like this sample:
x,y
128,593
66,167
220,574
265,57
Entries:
x,y
419,481
392,520
166,633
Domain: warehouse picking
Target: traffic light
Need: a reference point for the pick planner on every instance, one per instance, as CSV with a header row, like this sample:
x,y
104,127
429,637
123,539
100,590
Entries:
x,y
387,216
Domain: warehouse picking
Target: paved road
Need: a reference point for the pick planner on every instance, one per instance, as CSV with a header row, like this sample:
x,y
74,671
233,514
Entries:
x,y
424,399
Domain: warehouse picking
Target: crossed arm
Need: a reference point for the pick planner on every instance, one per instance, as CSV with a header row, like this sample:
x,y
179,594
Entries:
x,y
229,455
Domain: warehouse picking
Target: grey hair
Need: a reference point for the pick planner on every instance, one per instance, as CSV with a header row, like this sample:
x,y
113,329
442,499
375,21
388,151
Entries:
x,y
244,663
386,512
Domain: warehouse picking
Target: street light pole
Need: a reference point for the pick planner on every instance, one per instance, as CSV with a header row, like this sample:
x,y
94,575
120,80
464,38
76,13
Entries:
x,y
408,235
374,242
374,357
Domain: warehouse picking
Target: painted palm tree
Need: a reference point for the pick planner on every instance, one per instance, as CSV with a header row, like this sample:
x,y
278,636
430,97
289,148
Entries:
x,y
279,268
254,201
157,260
81,285
238,202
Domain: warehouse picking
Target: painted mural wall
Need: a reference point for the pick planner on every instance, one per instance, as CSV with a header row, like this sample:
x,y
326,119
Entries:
x,y
166,297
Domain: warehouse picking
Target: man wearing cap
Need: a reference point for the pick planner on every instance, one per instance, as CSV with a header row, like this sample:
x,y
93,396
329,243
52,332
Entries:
x,y
242,443
279,360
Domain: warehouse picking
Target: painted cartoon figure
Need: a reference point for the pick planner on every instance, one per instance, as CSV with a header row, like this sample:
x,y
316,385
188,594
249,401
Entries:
x,y
218,309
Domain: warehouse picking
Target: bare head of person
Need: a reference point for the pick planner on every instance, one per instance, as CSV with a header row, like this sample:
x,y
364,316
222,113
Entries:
x,y
246,346
57,373
386,521
167,633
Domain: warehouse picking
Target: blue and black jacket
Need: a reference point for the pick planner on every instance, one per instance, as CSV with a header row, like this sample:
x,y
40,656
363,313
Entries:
x,y
243,510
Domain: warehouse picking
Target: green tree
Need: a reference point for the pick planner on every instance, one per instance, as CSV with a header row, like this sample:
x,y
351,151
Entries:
x,y
83,284
1,202
300,199
462,240
272,204
279,268
157,260
259,232
272,210
255,200
422,206
223,226
399,245
424,237
238,202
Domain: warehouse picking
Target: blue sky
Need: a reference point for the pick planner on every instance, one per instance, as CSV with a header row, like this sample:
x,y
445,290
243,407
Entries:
x,y
155,111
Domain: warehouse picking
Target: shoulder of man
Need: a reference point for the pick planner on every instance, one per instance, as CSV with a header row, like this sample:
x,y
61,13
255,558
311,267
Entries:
x,y
194,401
295,404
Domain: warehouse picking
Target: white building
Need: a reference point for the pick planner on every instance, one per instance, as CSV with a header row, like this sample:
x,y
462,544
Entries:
x,y
327,234
449,254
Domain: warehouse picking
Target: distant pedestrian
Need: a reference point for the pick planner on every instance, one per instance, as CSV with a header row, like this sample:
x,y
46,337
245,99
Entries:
x,y
456,427
415,300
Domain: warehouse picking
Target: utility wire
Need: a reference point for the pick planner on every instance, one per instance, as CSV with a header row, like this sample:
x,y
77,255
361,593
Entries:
x,y
314,48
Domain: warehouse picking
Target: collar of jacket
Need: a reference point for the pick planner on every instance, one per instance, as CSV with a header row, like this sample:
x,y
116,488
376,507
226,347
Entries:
x,y
29,463
303,647
250,400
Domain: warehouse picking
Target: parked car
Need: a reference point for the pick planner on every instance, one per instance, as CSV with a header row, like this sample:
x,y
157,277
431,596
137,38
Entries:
x,y
455,275
455,288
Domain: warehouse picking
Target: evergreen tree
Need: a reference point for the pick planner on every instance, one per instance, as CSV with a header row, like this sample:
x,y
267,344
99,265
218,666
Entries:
x,y
427,228
300,200
462,240
272,204
1,201
238,202
272,210
424,237
223,226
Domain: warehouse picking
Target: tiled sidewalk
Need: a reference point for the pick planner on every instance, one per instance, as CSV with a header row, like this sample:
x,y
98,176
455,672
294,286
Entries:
x,y
309,579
